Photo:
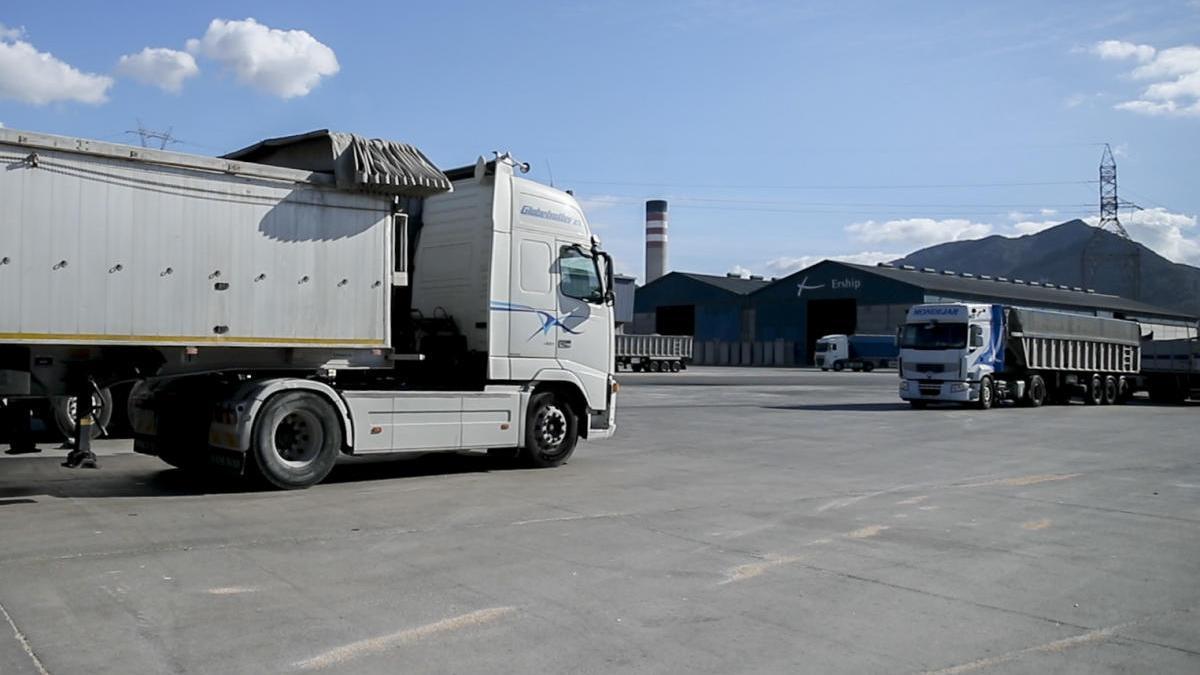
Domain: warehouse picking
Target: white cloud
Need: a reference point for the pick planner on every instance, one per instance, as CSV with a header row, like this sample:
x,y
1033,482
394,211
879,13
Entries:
x,y
1016,215
917,232
162,68
783,266
38,78
1171,235
1116,50
1173,75
284,63
1033,226
1049,212
743,272
14,34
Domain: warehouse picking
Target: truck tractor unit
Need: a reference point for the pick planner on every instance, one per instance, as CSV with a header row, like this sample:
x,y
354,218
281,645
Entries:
x,y
303,300
856,352
977,354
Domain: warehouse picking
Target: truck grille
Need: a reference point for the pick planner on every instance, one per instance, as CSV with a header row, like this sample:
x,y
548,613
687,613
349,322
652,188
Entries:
x,y
929,367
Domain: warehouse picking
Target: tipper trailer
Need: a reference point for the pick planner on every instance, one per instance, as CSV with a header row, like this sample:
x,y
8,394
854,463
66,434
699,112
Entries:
x,y
1171,368
978,354
654,353
303,299
856,352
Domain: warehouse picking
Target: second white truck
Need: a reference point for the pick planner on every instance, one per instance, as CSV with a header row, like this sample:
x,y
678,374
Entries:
x,y
978,354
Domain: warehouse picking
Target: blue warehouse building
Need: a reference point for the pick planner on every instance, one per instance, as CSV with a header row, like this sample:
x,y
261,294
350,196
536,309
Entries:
x,y
777,322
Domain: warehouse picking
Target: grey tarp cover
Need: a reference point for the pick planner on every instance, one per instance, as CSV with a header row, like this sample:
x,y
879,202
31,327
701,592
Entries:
x,y
357,163
1047,324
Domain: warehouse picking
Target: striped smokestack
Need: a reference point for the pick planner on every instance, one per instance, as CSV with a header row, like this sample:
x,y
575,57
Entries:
x,y
656,239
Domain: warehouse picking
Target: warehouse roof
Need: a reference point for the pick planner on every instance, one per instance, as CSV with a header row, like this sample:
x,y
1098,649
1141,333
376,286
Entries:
x,y
952,283
737,285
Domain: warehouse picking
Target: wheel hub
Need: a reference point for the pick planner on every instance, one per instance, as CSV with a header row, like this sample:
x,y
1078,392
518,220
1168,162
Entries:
x,y
551,428
298,438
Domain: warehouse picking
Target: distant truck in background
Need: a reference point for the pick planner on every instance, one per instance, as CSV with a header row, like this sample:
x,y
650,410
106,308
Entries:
x,y
979,354
653,353
1171,368
856,352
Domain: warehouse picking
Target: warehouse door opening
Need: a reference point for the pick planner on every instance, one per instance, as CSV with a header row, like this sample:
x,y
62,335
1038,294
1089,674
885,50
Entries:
x,y
828,317
675,320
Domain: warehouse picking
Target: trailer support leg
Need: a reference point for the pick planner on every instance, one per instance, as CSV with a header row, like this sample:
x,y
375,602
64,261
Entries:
x,y
81,455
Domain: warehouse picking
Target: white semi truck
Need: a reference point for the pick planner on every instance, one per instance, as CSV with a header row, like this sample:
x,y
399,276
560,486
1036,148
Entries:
x,y
979,354
302,300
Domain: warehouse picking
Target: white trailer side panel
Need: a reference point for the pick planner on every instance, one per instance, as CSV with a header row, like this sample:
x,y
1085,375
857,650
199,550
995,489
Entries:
x,y
97,249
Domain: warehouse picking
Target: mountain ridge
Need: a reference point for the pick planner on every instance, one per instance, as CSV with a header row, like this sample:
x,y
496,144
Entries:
x,y
1056,255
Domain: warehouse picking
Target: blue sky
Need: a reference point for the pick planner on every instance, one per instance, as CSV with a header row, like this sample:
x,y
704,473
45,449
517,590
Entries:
x,y
780,132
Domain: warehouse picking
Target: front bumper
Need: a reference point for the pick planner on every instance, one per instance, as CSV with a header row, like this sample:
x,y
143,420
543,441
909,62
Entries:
x,y
925,390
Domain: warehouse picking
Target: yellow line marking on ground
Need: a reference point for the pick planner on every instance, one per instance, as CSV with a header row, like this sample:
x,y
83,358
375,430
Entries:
x,y
751,570
1022,481
345,653
1056,647
868,531
1036,524
912,500
230,590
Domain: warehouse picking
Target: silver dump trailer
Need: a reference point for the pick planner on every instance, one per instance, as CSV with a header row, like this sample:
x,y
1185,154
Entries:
x,y
326,282
654,353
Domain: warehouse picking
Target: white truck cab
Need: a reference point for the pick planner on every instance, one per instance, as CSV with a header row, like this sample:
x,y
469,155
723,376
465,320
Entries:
x,y
947,351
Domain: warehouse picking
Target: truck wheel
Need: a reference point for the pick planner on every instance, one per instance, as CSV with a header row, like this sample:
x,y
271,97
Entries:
x,y
1110,390
868,366
297,438
674,366
1124,391
987,394
551,432
1036,395
64,413
838,366
1095,391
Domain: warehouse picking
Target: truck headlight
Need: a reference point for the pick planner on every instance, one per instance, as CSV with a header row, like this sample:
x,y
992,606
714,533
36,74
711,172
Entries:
x,y
959,386
903,386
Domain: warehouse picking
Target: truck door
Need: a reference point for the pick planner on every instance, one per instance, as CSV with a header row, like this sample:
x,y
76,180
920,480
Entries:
x,y
534,301
584,323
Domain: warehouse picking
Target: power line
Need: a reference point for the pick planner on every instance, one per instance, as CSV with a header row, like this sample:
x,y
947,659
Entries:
x,y
836,187
162,138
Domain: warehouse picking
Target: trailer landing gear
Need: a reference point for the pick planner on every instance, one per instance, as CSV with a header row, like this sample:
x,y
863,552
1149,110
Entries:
x,y
81,455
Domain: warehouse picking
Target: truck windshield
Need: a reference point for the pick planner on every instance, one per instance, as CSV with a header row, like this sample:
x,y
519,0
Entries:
x,y
934,336
580,278
822,347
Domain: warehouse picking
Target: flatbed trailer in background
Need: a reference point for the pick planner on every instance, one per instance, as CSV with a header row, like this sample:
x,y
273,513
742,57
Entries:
x,y
654,353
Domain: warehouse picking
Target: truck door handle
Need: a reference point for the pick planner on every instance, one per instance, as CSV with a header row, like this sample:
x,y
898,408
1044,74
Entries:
x,y
564,344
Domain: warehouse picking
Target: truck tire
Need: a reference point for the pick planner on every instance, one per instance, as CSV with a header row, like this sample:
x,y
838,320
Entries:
x,y
838,366
296,441
868,366
1124,391
1111,390
64,413
674,366
1095,391
1035,395
551,432
987,394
